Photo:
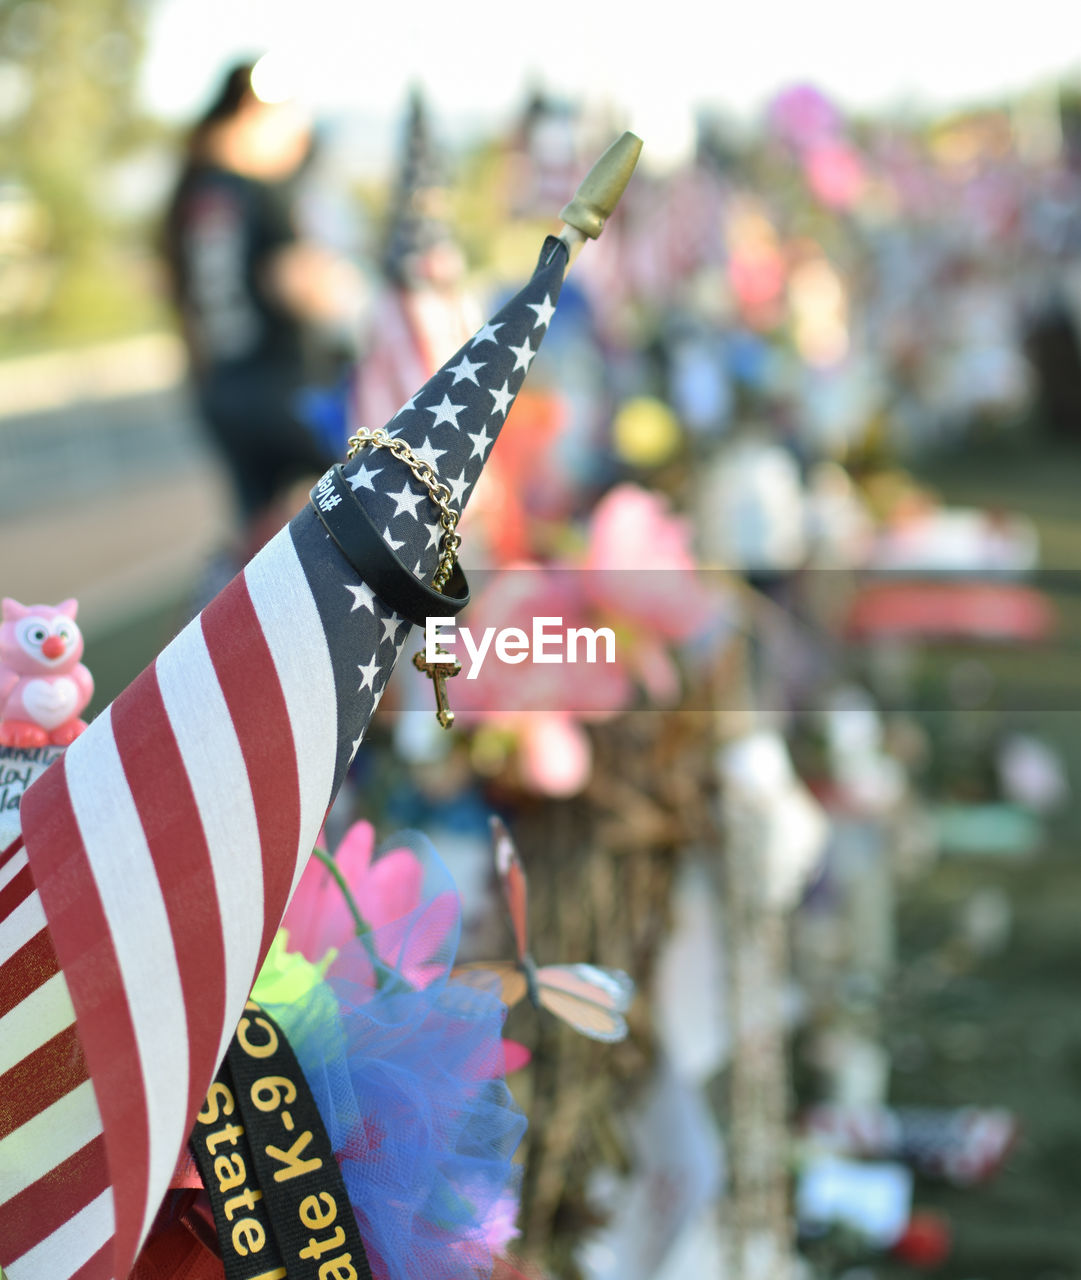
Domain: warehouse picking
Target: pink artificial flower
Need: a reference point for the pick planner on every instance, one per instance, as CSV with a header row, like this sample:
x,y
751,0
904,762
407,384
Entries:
x,y
515,1056
632,528
637,578
835,174
640,566
514,597
388,895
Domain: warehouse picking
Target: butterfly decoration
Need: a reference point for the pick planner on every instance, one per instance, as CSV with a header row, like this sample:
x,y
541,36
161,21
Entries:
x,y
586,997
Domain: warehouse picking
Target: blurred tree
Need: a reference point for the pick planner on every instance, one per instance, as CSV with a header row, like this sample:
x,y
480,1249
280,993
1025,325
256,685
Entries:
x,y
68,71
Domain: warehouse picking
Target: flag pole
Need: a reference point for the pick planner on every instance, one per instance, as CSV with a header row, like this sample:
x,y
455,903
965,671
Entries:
x,y
598,194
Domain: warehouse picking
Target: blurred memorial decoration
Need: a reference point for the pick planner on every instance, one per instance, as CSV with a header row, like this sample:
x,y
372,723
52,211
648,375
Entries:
x,y
791,330
154,861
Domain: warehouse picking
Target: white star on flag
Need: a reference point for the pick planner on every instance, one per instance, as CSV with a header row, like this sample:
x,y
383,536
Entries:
x,y
486,334
481,440
523,356
466,370
362,478
391,542
502,398
363,597
391,627
368,671
427,454
445,412
435,532
544,311
458,488
375,702
406,501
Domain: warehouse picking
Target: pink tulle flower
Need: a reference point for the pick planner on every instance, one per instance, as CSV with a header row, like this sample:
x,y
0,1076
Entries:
x,y
387,892
495,1229
500,1225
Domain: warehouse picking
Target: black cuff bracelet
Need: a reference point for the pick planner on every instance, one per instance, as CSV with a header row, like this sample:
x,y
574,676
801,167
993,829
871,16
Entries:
x,y
344,518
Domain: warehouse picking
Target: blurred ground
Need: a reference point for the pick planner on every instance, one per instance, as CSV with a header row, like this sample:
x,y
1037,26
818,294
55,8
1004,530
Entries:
x,y
1005,1029
107,493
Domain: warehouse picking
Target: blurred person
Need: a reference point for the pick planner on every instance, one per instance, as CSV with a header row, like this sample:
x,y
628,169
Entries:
x,y
258,301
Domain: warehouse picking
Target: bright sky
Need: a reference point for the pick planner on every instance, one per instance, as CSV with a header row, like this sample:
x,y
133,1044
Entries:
x,y
474,58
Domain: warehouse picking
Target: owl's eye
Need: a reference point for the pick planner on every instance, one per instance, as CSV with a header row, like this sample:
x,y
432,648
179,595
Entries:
x,y
32,632
63,631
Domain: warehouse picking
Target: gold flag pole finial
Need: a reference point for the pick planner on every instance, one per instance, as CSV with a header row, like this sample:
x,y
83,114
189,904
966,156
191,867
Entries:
x,y
599,192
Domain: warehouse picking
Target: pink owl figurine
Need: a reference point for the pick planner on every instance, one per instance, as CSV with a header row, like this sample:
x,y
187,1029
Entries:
x,y
43,685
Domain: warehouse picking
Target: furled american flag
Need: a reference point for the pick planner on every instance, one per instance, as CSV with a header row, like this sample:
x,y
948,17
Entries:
x,y
422,311
157,856
421,197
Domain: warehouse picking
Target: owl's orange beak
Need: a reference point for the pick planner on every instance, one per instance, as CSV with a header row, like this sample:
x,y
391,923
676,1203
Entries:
x,y
54,647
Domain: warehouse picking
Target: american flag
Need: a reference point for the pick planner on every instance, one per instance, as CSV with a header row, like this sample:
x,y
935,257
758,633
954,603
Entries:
x,y
416,321
157,856
411,332
416,221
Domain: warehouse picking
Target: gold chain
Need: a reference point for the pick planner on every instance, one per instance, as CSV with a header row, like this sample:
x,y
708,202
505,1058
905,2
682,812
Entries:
x,y
437,491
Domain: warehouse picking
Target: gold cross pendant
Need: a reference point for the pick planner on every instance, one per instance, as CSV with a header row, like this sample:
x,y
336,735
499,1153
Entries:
x,y
439,672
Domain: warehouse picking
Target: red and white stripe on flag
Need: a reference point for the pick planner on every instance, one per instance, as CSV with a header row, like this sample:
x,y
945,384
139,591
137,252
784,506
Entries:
x,y
156,861
412,333
393,366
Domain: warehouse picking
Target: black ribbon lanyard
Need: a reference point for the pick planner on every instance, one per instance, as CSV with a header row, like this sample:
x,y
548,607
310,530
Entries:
x,y
280,1204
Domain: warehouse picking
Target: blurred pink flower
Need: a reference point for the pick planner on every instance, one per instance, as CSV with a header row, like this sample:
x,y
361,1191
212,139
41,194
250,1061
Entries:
x,y
632,528
835,174
555,756
802,115
515,1056
640,567
637,578
388,894
514,597
500,1224
495,1227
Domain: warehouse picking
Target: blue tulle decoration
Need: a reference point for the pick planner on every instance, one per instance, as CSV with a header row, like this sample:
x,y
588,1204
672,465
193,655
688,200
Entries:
x,y
409,1083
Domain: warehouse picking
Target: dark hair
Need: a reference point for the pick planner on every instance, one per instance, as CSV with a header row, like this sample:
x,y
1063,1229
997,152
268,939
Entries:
x,y
234,88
